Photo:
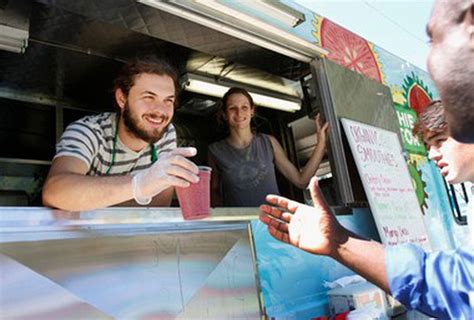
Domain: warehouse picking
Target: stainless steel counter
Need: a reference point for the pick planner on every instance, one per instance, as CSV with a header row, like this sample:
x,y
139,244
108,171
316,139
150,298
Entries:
x,y
127,263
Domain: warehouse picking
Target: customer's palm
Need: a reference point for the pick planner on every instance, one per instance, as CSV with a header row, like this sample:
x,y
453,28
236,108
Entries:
x,y
313,229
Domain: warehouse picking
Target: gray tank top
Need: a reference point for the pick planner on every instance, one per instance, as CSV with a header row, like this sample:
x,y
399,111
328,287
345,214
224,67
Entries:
x,y
248,174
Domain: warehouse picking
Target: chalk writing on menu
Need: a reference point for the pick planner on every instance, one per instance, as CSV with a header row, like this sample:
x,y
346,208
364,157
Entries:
x,y
387,183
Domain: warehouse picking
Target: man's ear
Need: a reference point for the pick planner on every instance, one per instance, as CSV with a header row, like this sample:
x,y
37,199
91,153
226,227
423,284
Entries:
x,y
469,23
120,98
471,26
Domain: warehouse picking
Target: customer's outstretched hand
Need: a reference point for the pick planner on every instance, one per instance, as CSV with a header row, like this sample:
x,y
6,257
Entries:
x,y
313,229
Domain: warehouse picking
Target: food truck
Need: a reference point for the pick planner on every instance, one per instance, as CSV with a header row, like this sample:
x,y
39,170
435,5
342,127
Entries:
x,y
58,59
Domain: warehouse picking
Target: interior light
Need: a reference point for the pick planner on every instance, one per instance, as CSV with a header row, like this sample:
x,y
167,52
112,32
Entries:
x,y
289,45
277,10
13,39
251,21
202,85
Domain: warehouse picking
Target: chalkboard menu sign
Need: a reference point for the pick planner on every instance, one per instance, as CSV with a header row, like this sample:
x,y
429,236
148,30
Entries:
x,y
387,183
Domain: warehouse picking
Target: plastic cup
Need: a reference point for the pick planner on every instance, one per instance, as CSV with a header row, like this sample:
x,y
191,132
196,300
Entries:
x,y
195,200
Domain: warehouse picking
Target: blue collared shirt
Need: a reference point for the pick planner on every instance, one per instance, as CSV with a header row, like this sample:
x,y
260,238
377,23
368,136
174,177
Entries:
x,y
439,284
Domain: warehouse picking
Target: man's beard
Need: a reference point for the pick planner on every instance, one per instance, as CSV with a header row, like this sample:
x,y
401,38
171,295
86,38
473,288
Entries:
x,y
132,123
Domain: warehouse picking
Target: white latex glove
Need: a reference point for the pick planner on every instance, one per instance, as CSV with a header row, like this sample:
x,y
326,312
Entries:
x,y
170,170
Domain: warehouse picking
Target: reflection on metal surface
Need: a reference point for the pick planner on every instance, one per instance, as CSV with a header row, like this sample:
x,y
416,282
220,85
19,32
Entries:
x,y
230,288
26,295
163,273
33,224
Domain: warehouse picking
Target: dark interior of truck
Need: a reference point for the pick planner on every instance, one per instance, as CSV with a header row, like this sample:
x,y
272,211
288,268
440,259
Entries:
x,y
75,49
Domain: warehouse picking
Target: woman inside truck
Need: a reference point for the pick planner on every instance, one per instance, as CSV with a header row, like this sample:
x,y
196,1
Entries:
x,y
244,162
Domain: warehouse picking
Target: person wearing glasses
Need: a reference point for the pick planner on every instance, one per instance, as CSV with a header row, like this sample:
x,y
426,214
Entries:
x,y
111,158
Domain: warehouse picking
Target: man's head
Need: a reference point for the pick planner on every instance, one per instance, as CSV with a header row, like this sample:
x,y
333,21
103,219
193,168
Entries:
x,y
145,92
451,63
454,159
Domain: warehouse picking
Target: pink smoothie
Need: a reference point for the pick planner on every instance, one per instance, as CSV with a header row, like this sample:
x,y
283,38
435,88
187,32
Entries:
x,y
195,199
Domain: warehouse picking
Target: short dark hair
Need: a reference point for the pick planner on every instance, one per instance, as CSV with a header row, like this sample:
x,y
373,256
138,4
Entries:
x,y
431,119
222,106
149,64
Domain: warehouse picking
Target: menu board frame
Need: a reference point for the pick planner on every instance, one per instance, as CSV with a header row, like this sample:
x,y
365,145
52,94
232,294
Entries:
x,y
379,159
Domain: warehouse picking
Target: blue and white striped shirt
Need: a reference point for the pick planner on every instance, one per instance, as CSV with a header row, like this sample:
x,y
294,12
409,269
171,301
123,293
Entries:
x,y
91,140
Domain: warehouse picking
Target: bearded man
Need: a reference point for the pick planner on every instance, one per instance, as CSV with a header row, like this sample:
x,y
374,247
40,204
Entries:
x,y
111,158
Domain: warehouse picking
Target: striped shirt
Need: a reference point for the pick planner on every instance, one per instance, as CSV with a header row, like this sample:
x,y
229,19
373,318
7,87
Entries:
x,y
91,139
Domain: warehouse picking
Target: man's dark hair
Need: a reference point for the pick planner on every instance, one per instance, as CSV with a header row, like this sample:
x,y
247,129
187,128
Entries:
x,y
151,65
431,119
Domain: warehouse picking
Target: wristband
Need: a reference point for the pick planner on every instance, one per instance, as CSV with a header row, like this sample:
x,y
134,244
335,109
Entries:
x,y
143,201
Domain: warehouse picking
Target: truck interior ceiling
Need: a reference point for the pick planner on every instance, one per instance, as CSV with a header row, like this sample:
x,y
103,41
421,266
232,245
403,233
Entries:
x,y
76,48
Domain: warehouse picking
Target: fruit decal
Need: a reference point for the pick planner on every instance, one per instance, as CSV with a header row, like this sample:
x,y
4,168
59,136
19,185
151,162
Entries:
x,y
349,50
411,100
416,93
355,53
419,186
416,96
